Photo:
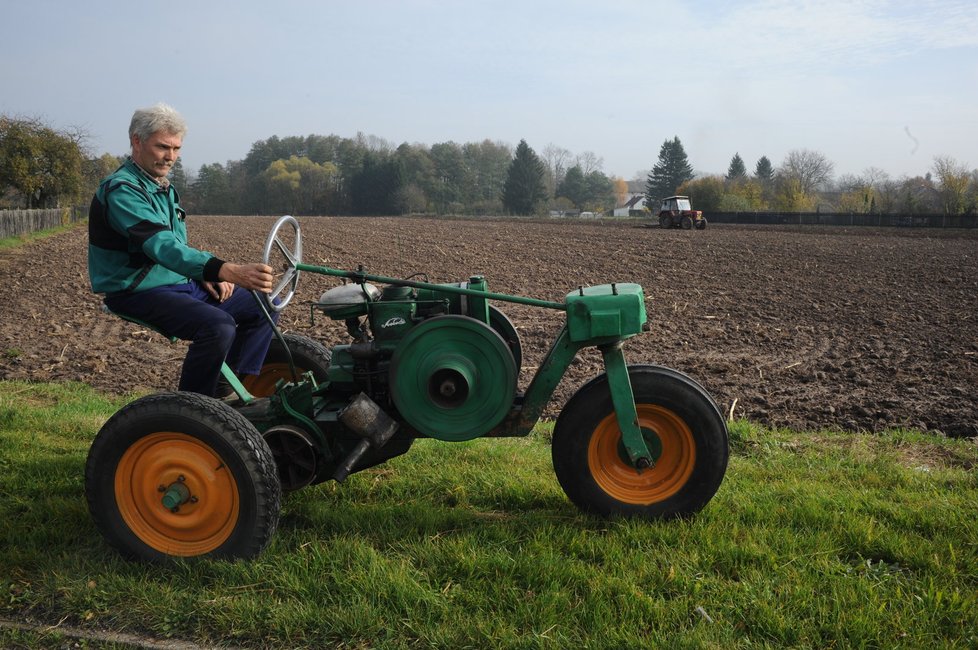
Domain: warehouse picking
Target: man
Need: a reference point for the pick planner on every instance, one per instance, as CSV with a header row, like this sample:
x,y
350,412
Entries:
x,y
139,258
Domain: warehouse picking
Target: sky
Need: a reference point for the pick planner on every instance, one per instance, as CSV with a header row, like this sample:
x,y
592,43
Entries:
x,y
866,83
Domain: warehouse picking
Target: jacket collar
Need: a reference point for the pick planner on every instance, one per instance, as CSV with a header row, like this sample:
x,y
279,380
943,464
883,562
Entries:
x,y
162,184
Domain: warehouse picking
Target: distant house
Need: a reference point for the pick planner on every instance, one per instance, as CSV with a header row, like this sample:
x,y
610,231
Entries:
x,y
633,205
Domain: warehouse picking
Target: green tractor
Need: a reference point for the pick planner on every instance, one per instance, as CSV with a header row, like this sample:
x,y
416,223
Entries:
x,y
184,475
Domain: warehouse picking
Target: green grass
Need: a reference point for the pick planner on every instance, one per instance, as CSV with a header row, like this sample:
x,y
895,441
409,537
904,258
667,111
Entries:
x,y
20,240
814,540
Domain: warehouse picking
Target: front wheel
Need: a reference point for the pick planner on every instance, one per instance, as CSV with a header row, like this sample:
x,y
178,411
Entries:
x,y
683,429
182,475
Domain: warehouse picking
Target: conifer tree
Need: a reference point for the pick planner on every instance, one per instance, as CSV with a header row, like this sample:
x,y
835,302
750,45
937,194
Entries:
x,y
525,188
737,170
764,171
671,171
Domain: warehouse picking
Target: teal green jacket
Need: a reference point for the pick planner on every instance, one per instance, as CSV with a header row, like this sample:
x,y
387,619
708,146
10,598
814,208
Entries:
x,y
137,236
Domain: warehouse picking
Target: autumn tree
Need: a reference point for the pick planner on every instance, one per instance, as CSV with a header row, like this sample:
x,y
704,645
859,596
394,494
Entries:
x,y
953,178
798,178
95,169
705,193
298,185
43,166
671,171
620,189
524,189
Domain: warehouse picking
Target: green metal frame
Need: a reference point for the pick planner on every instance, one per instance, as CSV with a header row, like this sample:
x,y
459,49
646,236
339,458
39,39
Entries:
x,y
601,316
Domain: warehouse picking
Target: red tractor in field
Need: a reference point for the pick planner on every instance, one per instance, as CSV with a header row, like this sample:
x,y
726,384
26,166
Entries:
x,y
676,212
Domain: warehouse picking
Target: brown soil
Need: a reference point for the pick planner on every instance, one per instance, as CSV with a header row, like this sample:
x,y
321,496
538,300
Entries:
x,y
858,329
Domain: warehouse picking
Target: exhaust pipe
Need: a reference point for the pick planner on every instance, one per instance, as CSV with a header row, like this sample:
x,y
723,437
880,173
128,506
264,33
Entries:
x,y
367,420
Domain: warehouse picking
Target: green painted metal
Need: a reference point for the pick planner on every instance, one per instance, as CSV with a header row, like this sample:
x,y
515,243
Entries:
x,y
359,276
605,311
541,387
176,495
624,401
232,379
453,378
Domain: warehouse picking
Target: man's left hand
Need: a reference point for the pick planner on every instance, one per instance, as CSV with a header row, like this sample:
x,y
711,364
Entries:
x,y
220,291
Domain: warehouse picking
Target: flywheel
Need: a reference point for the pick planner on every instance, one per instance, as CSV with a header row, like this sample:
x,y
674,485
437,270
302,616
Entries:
x,y
453,378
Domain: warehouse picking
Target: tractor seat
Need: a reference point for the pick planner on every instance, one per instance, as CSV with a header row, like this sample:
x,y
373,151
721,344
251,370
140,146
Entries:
x,y
105,308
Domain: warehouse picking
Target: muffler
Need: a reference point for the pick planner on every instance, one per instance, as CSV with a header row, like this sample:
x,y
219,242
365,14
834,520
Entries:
x,y
367,420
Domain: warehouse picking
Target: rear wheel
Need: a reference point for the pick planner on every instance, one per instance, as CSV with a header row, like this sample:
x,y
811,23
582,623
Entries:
x,y
501,324
182,475
665,221
307,355
682,427
686,223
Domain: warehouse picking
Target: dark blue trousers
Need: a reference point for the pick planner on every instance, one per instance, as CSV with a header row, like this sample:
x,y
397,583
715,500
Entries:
x,y
235,331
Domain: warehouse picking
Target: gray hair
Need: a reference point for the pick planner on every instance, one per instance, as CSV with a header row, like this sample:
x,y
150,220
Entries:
x,y
156,118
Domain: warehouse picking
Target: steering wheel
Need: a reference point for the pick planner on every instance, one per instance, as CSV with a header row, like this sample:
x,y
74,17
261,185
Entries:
x,y
290,277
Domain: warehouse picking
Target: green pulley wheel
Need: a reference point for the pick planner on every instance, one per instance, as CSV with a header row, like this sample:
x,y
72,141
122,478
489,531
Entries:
x,y
453,378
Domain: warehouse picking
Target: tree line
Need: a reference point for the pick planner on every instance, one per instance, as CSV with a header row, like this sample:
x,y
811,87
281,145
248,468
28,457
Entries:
x,y
365,175
804,182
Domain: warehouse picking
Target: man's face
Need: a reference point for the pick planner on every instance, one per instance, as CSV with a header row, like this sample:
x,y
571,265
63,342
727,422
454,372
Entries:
x,y
157,153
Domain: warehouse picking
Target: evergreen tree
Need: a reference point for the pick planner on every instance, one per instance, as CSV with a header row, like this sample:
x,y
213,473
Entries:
x,y
524,189
573,187
375,189
764,171
671,171
737,170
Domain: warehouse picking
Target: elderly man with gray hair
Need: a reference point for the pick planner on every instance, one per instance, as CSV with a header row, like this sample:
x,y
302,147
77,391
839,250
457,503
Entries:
x,y
138,256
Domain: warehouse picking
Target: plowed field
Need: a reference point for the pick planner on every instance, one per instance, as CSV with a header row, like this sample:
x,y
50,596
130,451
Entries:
x,y
812,327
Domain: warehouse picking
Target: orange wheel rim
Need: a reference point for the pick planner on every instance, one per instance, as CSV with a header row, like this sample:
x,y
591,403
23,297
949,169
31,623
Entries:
x,y
263,384
669,440
197,526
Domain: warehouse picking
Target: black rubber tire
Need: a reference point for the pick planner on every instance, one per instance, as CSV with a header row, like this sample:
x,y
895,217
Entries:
x,y
307,354
169,437
665,221
503,326
701,224
686,223
592,467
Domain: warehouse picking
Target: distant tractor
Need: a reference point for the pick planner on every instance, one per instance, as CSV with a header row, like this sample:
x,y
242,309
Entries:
x,y
676,212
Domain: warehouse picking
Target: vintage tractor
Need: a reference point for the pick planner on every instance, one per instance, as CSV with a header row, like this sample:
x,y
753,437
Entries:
x,y
184,475
676,212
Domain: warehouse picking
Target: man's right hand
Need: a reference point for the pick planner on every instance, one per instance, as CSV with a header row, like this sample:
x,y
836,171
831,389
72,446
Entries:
x,y
248,276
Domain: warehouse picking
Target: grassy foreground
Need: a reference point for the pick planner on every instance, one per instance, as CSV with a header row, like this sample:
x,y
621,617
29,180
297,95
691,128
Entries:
x,y
814,540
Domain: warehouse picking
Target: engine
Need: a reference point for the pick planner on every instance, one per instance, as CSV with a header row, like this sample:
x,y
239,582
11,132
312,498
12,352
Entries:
x,y
442,362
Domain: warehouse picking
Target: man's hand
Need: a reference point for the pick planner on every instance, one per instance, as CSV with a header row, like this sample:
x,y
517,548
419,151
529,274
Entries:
x,y
221,291
249,276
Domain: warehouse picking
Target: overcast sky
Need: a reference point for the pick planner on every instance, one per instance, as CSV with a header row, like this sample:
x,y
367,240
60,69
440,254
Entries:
x,y
867,83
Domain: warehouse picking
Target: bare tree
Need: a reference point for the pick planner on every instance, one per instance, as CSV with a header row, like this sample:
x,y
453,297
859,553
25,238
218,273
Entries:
x,y
954,178
589,162
556,160
808,169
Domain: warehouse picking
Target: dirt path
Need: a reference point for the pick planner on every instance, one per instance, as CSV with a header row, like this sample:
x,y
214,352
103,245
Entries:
x,y
859,329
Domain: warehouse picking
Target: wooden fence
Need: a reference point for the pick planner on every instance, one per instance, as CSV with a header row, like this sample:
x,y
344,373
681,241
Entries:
x,y
846,219
14,223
